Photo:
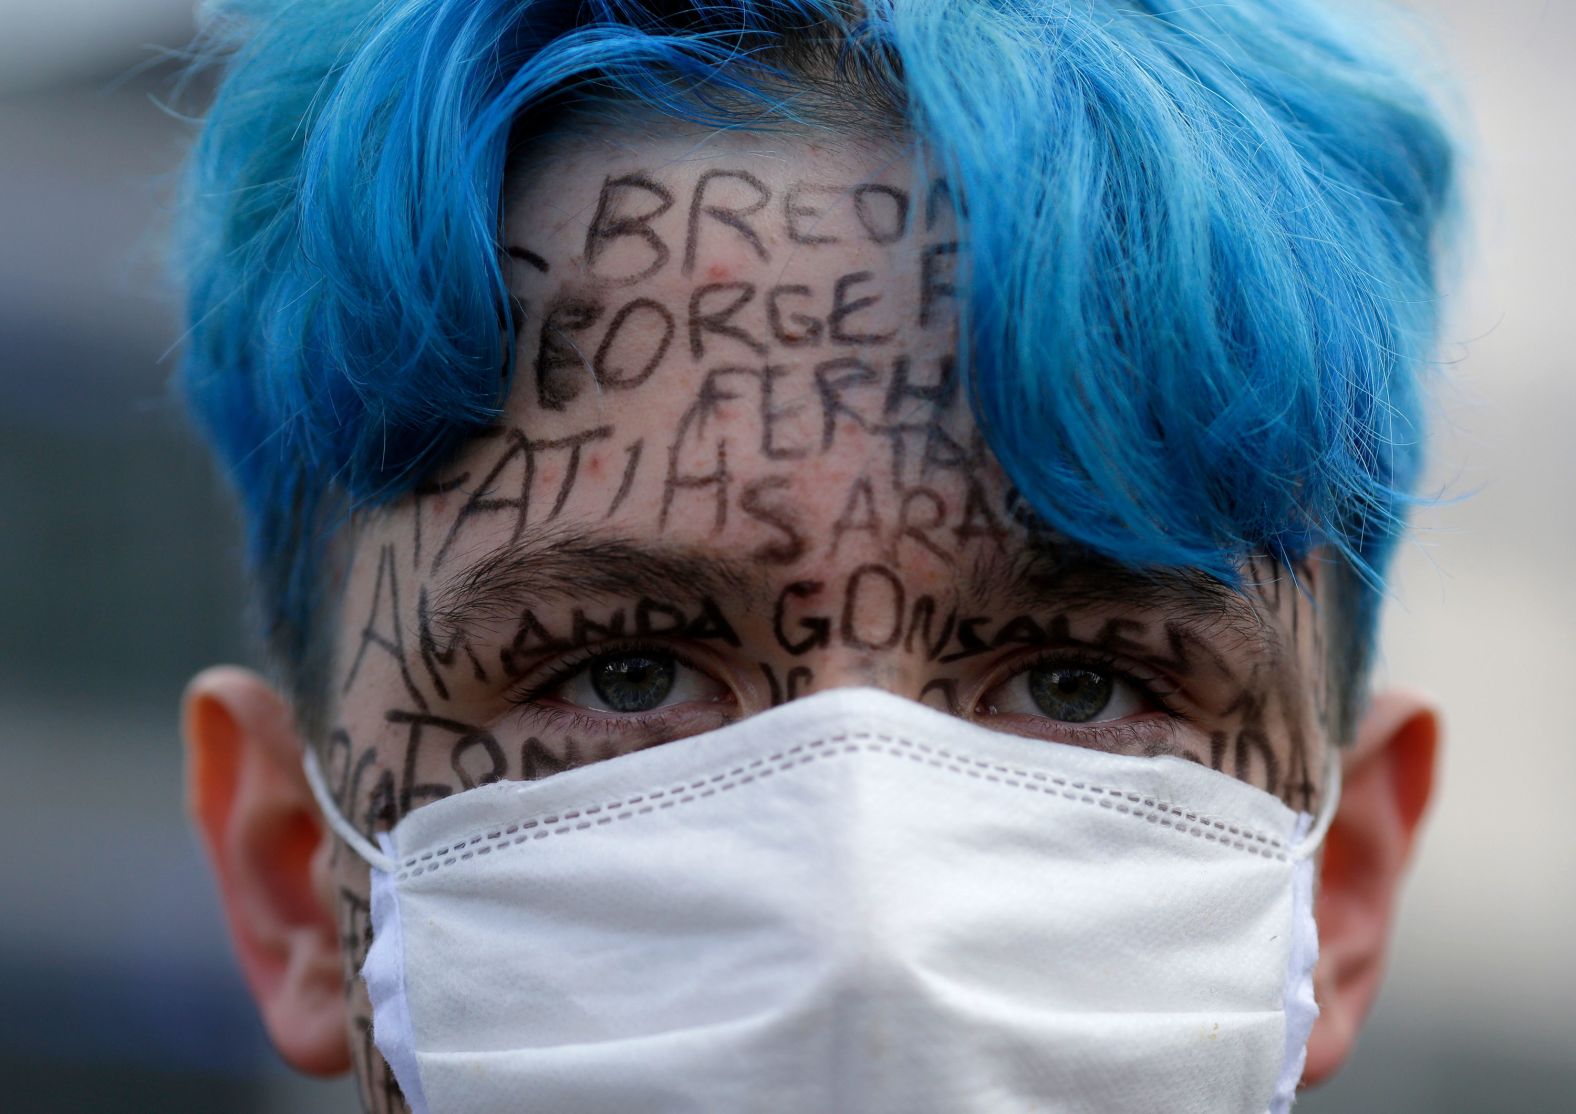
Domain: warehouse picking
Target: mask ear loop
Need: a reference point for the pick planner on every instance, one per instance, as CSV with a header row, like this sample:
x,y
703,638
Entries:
x,y
1327,807
336,819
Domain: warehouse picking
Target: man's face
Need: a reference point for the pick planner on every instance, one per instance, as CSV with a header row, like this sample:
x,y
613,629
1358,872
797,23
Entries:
x,y
737,466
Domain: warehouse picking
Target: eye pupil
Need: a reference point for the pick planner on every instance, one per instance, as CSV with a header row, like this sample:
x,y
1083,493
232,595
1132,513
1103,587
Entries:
x,y
632,682
1070,694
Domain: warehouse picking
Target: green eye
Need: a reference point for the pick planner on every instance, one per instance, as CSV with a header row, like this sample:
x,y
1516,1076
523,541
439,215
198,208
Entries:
x,y
1069,693
632,682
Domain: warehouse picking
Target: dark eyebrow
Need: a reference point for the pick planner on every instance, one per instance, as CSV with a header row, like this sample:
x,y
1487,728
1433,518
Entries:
x,y
572,563
580,564
1052,573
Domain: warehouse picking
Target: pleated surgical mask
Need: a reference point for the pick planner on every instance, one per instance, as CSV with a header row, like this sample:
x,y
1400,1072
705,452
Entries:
x,y
851,903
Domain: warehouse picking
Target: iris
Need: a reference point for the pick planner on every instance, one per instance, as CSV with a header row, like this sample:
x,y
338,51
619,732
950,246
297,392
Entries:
x,y
633,682
1070,693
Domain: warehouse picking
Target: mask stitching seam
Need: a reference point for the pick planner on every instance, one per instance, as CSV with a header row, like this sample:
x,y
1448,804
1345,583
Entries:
x,y
1183,821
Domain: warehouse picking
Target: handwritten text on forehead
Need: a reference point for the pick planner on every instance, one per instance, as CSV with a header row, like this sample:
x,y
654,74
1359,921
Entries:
x,y
782,361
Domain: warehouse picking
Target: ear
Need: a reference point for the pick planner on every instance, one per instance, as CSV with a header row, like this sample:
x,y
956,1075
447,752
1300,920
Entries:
x,y
1387,779
254,812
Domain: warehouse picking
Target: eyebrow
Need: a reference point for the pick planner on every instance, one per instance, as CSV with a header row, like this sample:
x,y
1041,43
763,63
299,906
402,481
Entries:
x,y
575,564
1206,622
572,563
1053,570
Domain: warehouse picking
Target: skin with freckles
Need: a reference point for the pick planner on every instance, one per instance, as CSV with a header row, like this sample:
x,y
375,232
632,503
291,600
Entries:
x,y
737,466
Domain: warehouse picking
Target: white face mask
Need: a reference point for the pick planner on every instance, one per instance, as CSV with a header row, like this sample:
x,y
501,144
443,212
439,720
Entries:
x,y
850,903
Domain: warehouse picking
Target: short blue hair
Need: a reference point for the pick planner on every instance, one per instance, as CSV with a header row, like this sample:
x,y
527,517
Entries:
x,y
1201,274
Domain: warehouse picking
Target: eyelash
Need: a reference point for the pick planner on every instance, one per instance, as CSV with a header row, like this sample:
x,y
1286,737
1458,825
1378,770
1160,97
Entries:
x,y
1155,689
525,696
1154,686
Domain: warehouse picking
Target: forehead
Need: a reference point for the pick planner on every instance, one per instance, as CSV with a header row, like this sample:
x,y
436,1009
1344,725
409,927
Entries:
x,y
744,349
743,340
619,209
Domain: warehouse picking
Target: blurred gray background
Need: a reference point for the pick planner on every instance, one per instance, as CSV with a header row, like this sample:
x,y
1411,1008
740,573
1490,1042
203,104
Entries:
x,y
117,988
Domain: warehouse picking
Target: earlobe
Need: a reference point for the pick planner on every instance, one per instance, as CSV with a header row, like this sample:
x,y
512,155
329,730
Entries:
x,y
1388,778
257,820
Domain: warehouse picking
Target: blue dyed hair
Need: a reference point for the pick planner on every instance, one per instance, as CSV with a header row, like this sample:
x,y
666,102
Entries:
x,y
1201,274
